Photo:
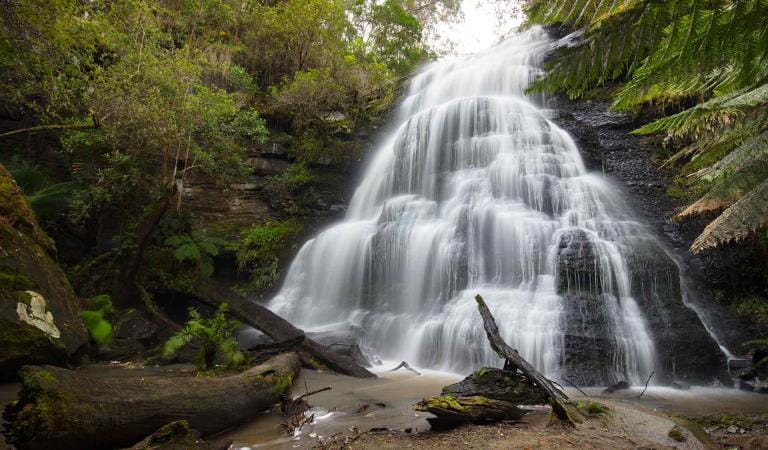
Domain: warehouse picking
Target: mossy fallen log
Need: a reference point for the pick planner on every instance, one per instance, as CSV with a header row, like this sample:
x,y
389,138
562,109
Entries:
x,y
60,408
453,411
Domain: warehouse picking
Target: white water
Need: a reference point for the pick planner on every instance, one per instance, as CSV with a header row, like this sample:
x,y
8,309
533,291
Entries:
x,y
475,191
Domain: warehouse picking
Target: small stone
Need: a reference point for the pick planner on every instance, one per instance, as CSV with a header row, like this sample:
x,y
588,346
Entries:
x,y
732,429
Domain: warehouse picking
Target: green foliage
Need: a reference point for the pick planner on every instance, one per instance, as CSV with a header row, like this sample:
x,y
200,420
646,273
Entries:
x,y
29,177
752,307
95,320
591,408
215,335
670,55
261,247
196,247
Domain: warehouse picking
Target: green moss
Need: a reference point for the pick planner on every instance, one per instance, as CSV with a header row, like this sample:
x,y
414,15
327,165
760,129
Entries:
x,y
481,371
442,402
280,383
677,434
13,280
16,212
591,408
752,307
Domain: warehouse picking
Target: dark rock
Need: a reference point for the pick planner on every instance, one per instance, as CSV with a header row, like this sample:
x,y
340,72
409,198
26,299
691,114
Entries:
x,y
620,386
119,349
135,324
39,317
607,145
174,436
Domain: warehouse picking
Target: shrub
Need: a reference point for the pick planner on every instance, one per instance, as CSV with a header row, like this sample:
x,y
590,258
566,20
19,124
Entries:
x,y
98,326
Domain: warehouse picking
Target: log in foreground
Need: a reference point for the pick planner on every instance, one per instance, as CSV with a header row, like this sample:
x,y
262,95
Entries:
x,y
277,328
60,408
513,361
488,395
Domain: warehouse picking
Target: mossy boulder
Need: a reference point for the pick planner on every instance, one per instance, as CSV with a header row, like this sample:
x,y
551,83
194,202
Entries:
x,y
497,384
39,321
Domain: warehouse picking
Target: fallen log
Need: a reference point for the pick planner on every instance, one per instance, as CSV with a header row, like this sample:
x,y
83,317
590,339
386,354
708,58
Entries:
x,y
60,408
513,361
454,411
274,326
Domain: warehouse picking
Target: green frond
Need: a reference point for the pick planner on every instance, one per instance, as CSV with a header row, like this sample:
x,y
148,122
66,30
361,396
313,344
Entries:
x,y
737,222
752,150
727,190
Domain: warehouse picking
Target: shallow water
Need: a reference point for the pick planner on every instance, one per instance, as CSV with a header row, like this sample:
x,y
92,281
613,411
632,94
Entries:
x,y
337,409
400,390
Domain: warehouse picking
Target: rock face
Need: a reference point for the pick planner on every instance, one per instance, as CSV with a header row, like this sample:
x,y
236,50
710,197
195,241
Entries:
x,y
607,145
684,348
39,320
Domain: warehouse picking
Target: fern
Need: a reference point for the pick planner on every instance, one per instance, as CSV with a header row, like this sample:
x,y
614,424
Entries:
x,y
215,336
712,53
198,248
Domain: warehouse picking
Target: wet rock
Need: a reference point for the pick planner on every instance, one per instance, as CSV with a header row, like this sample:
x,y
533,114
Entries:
x,y
620,386
684,348
39,319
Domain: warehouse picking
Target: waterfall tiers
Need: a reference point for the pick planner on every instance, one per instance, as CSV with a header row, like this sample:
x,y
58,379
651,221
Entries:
x,y
476,191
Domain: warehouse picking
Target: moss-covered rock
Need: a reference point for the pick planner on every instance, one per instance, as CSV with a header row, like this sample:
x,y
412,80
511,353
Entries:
x,y
39,321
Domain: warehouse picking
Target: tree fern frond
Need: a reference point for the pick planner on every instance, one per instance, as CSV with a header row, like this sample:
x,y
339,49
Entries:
x,y
727,190
737,222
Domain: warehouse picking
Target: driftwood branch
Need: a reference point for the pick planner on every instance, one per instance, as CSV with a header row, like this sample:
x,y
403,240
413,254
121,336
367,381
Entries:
x,y
513,360
646,383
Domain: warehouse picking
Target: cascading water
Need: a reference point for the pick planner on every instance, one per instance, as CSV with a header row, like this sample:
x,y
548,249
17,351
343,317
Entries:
x,y
477,192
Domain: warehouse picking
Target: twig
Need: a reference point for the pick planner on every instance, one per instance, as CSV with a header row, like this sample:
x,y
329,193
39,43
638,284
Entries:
x,y
646,383
300,397
576,387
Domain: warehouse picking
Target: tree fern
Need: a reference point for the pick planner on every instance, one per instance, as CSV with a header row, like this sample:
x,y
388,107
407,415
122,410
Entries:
x,y
710,53
738,221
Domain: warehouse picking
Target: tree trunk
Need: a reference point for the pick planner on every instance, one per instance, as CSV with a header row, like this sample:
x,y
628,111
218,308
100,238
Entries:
x,y
274,326
125,291
514,361
60,408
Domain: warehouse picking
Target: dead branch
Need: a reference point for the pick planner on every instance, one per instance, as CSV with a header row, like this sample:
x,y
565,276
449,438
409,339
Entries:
x,y
514,361
646,383
406,366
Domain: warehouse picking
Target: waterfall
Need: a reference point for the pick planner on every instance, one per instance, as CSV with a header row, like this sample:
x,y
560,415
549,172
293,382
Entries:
x,y
476,191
